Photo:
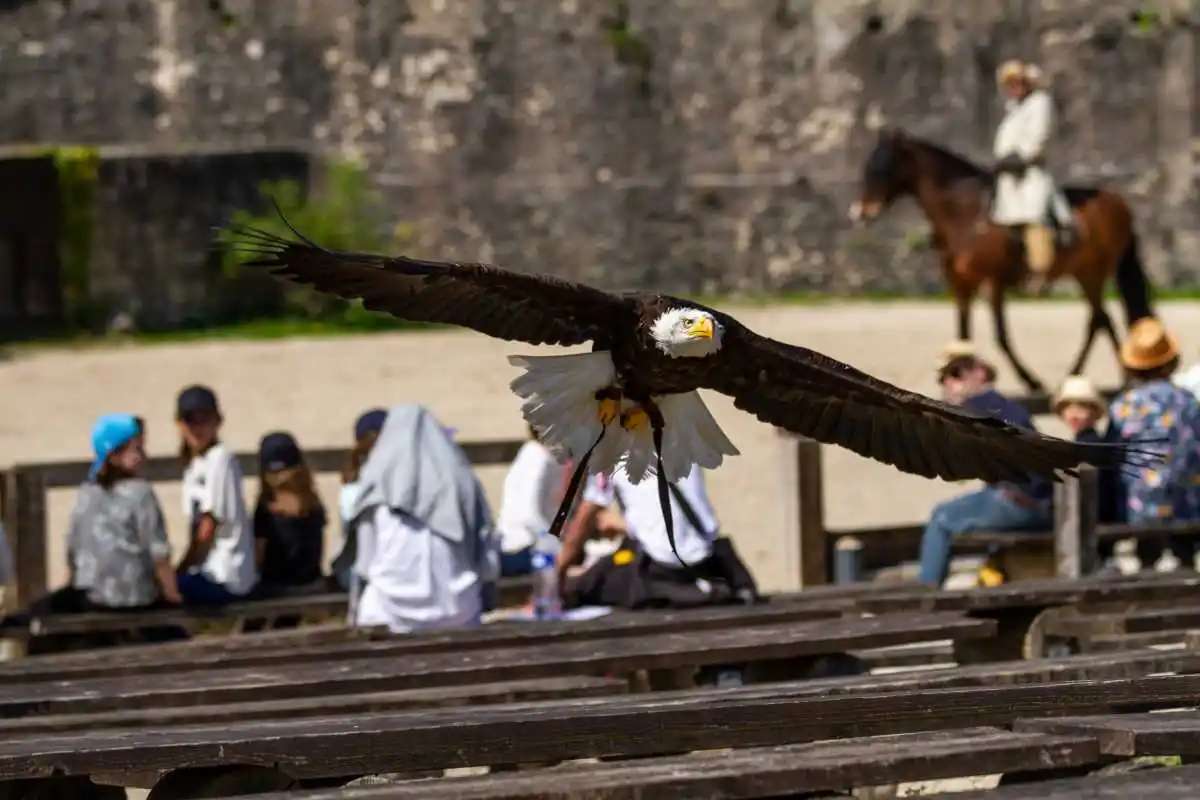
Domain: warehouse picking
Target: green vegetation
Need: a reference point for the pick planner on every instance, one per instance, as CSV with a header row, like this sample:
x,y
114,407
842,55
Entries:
x,y
629,47
342,215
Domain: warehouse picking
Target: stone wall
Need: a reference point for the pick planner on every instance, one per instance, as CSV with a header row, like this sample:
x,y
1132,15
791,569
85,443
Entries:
x,y
702,145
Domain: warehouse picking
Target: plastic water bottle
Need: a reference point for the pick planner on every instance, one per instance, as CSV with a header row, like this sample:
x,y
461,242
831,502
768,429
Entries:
x,y
547,603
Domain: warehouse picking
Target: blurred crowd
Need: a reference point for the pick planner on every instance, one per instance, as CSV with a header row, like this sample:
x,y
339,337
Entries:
x,y
1156,410
419,546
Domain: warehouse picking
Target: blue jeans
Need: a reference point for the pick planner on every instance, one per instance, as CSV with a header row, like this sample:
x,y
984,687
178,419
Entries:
x,y
518,563
988,509
198,590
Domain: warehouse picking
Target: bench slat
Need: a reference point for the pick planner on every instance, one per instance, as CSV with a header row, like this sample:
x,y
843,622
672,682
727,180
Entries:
x,y
1177,783
1176,733
295,708
662,651
1133,621
756,772
558,730
1071,668
157,659
1033,594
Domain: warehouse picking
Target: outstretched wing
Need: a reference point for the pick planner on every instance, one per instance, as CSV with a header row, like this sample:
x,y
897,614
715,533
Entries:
x,y
537,309
821,398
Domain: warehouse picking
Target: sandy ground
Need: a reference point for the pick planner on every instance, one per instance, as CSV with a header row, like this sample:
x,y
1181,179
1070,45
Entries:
x,y
315,388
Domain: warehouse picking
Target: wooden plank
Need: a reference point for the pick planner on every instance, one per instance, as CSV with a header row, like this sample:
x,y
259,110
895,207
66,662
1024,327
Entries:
x,y
327,459
1035,594
559,730
1076,515
25,529
813,543
756,772
148,660
664,651
1148,621
572,686
1134,641
1017,672
1167,734
1178,783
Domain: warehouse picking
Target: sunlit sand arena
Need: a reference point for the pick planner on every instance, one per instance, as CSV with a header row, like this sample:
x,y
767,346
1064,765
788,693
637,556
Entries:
x,y
315,387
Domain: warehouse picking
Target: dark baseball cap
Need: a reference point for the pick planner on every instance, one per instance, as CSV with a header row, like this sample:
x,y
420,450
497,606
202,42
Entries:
x,y
369,422
196,399
279,450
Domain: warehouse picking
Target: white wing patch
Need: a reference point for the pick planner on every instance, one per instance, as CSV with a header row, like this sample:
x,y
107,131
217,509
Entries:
x,y
560,402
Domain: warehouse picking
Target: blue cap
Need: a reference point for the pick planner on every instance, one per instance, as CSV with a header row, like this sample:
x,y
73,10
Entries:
x,y
369,422
109,434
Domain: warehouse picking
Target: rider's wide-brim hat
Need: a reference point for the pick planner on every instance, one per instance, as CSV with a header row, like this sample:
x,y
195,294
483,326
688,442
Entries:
x,y
1149,345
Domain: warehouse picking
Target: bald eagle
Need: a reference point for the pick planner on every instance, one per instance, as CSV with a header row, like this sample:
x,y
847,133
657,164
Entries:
x,y
633,402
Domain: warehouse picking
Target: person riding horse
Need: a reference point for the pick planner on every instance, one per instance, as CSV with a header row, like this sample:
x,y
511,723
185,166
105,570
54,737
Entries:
x,y
1026,200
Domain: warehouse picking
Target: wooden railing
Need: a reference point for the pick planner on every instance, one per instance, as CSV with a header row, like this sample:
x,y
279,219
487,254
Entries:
x,y
23,497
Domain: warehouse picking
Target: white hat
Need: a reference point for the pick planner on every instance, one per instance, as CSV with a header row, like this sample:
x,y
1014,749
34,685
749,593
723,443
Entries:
x,y
1078,389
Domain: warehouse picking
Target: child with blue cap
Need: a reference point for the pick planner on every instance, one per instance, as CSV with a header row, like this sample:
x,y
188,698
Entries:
x,y
117,546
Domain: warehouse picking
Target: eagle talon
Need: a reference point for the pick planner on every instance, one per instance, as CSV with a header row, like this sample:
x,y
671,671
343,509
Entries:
x,y
634,418
607,411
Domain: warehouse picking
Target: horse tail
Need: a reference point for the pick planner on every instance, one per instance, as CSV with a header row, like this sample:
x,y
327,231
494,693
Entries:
x,y
1132,284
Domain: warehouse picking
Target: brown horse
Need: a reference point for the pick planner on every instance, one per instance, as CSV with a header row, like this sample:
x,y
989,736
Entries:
x,y
977,254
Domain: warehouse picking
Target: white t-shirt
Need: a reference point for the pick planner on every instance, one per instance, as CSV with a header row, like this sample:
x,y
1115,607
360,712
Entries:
x,y
530,497
644,517
212,484
415,579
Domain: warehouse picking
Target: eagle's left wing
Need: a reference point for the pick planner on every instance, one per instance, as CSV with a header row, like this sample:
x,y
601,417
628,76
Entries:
x,y
821,398
537,309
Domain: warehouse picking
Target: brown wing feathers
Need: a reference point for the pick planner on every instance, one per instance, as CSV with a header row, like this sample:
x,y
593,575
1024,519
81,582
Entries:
x,y
500,303
823,399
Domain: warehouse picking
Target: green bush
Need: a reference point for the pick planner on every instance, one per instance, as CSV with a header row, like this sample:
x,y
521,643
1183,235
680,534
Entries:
x,y
341,214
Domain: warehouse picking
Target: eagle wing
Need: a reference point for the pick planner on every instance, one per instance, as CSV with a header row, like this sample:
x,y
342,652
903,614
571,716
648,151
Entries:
x,y
821,398
537,309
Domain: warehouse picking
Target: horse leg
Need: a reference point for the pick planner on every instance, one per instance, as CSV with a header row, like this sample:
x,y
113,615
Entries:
x,y
1098,321
997,301
964,293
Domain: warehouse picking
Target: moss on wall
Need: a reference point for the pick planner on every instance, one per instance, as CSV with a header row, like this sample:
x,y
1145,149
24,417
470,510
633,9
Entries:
x,y
78,171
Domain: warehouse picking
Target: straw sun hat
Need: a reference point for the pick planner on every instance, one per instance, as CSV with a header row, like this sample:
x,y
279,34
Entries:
x,y
1149,345
1078,389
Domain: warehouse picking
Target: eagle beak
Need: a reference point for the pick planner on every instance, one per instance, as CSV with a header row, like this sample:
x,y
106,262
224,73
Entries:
x,y
701,329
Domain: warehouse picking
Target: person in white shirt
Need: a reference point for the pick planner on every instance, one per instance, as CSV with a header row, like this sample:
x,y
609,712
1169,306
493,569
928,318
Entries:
x,y
714,572
532,490
219,565
426,548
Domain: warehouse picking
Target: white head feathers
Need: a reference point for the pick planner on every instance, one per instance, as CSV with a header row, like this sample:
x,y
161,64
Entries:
x,y
687,333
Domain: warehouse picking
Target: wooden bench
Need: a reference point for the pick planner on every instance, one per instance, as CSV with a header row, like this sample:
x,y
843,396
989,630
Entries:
x,y
1173,734
1120,665
1177,783
230,653
666,651
558,730
1014,555
1021,609
755,772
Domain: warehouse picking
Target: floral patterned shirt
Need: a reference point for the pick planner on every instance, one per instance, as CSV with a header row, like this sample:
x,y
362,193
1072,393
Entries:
x,y
1167,417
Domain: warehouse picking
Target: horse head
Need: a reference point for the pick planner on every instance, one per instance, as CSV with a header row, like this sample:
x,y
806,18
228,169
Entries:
x,y
888,174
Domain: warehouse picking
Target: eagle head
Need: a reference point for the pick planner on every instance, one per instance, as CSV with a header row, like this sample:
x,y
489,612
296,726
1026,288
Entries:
x,y
687,333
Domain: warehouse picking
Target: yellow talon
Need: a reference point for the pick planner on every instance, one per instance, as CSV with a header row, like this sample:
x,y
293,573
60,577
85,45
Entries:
x,y
634,418
608,410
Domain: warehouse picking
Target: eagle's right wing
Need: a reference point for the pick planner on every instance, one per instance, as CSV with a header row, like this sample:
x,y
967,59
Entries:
x,y
819,397
537,309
